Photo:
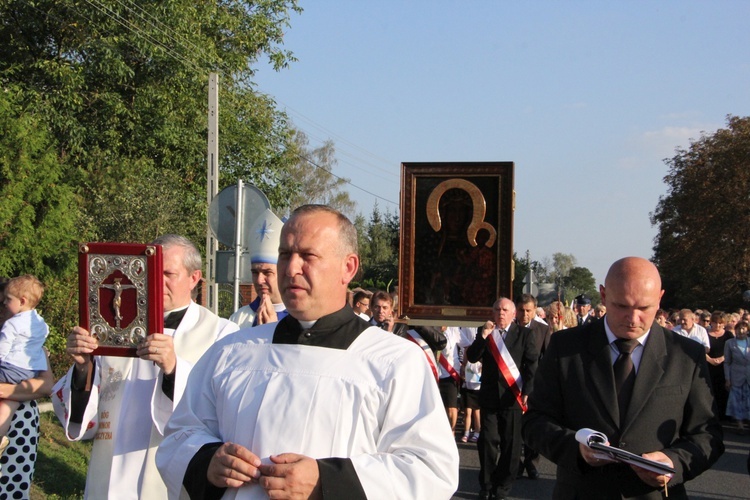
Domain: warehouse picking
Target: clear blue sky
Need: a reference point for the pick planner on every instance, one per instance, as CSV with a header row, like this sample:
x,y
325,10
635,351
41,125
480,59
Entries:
x,y
586,97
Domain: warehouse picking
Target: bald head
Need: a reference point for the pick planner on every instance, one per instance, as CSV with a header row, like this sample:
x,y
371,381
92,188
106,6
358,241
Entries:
x,y
632,269
632,293
503,312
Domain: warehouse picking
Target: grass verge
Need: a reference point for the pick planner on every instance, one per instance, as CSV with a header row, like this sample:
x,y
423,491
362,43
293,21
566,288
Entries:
x,y
61,464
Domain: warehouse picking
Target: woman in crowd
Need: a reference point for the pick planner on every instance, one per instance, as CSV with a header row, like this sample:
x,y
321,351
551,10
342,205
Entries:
x,y
737,374
662,318
17,463
556,316
734,318
717,337
599,311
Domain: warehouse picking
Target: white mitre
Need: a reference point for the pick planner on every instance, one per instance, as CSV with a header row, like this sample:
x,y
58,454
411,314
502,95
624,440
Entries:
x,y
265,236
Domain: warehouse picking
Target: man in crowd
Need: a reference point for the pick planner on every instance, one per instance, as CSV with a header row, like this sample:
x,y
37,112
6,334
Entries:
x,y
381,305
509,358
692,330
318,405
361,304
583,309
643,386
267,306
525,316
541,315
123,403
430,339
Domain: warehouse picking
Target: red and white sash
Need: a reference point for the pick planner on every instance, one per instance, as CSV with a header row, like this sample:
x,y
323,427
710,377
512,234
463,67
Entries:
x,y
507,366
414,337
447,367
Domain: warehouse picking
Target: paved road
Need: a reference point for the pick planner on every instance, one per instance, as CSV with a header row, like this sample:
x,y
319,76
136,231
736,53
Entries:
x,y
728,479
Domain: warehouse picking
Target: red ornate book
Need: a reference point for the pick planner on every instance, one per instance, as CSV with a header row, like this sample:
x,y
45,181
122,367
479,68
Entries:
x,y
120,294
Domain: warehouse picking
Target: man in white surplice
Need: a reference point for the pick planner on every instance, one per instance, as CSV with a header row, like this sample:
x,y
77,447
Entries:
x,y
318,405
131,399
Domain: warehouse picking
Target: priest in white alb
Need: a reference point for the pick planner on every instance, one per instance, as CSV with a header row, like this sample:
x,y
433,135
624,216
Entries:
x,y
318,405
124,403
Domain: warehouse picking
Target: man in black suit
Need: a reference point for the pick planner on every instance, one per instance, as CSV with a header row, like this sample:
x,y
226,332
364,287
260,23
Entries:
x,y
662,411
526,317
508,354
381,305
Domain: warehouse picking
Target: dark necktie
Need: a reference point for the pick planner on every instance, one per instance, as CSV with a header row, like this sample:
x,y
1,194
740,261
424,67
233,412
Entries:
x,y
624,374
174,318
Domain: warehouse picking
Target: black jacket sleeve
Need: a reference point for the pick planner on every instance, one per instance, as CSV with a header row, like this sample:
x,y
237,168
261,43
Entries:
x,y
339,480
476,350
79,393
196,481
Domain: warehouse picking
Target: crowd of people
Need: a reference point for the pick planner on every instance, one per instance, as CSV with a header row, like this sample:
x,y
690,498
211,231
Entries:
x,y
300,393
506,379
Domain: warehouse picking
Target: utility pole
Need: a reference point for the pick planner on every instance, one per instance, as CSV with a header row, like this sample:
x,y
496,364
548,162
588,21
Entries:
x,y
212,189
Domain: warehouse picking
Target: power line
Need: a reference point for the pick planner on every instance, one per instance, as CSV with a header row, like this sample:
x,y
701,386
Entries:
x,y
134,28
347,181
186,46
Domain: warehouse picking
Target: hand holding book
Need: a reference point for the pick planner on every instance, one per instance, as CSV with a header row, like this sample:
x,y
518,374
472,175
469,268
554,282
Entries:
x,y
600,443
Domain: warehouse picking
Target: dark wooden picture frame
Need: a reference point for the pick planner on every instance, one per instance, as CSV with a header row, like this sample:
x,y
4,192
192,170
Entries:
x,y
120,294
456,249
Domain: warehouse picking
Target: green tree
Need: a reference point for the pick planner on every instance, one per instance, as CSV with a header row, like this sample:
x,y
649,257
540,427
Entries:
x,y
313,180
704,221
124,86
122,89
142,208
562,263
38,212
379,249
581,280
522,267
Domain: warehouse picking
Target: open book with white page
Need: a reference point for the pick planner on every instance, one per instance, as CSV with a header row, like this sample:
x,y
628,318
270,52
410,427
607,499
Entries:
x,y
598,441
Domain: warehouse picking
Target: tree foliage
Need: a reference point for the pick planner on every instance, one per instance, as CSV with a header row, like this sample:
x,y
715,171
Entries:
x,y
123,87
38,212
110,132
312,178
561,270
580,280
562,263
703,221
378,249
521,267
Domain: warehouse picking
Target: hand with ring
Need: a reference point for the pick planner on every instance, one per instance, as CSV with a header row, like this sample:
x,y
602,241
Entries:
x,y
158,348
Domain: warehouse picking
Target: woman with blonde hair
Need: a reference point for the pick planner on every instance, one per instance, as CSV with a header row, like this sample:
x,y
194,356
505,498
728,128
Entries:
x,y
560,317
599,311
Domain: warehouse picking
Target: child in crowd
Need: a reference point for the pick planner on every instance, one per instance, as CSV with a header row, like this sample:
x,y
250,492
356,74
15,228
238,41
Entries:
x,y
472,376
21,343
